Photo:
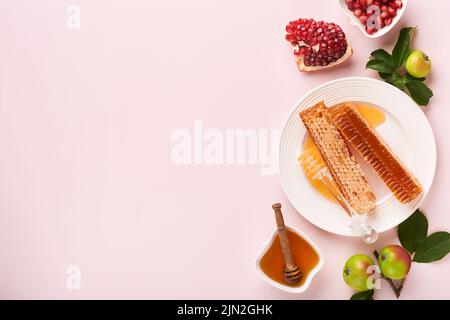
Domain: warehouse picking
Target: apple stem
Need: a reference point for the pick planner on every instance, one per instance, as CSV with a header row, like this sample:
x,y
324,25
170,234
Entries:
x,y
400,287
396,290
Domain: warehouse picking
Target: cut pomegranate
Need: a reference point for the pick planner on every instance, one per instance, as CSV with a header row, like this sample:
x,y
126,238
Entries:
x,y
317,45
387,10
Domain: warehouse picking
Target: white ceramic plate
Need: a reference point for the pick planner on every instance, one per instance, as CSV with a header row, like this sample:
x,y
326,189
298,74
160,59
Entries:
x,y
406,130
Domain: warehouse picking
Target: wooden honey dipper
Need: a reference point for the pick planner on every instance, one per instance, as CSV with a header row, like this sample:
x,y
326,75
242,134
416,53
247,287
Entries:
x,y
291,272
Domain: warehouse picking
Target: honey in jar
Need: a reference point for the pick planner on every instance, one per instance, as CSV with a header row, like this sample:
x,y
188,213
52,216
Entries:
x,y
305,257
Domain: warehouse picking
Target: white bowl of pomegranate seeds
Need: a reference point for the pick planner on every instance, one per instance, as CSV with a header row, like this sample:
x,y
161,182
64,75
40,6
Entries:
x,y
374,18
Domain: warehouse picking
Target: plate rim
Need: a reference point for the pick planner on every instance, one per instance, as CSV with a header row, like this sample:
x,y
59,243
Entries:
x,y
433,148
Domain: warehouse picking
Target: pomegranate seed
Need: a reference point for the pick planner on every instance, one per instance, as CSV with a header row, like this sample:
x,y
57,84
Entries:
x,y
392,12
399,4
363,19
371,30
387,21
357,12
363,4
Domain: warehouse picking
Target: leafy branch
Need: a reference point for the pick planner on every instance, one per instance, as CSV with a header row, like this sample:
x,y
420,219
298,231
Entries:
x,y
423,248
391,69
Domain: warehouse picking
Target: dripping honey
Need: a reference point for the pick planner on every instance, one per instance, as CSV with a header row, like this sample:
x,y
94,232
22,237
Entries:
x,y
373,115
305,257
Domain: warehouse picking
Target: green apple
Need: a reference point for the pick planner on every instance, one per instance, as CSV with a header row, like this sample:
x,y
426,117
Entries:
x,y
356,274
394,262
418,64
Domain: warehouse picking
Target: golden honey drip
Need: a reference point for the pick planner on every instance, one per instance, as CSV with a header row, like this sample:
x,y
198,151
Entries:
x,y
371,114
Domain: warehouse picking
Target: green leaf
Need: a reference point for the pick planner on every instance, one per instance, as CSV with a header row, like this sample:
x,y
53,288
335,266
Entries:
x,y
384,75
366,295
419,92
382,55
434,248
380,66
396,80
413,231
402,47
411,78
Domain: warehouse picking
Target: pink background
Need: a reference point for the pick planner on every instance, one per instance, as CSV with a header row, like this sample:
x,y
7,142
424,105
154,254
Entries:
x,y
86,117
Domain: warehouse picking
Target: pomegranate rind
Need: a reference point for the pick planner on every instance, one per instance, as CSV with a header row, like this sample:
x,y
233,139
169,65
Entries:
x,y
303,68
